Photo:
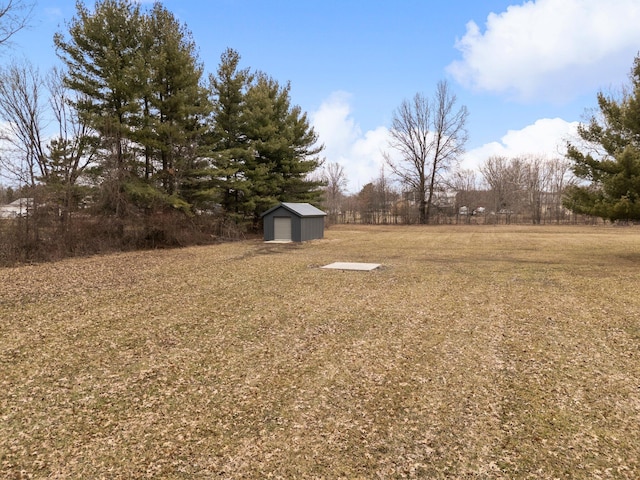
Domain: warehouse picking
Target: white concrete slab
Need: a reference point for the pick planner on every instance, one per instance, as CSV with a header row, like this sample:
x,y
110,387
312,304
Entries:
x,y
352,266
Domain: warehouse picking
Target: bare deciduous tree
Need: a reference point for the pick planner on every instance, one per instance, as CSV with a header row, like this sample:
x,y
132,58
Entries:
x,y
537,175
528,184
14,16
384,198
336,181
33,108
22,108
464,183
429,136
502,176
561,177
73,149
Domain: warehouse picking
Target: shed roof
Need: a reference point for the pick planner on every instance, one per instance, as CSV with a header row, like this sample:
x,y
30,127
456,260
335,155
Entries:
x,y
300,209
22,201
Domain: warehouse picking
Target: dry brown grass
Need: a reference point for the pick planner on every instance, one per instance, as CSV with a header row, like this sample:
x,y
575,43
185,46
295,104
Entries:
x,y
475,352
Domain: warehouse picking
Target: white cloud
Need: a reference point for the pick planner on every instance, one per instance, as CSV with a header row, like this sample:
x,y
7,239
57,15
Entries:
x,y
359,153
551,48
546,137
334,124
53,13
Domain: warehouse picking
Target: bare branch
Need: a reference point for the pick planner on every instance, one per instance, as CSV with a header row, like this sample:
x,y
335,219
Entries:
x,y
14,16
429,136
21,108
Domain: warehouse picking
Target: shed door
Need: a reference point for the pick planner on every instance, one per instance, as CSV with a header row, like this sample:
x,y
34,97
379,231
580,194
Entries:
x,y
282,228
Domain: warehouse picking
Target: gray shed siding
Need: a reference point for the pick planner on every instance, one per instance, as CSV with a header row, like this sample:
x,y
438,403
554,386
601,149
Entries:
x,y
303,227
311,228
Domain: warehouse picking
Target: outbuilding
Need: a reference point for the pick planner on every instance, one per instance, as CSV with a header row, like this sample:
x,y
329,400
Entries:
x,y
18,208
293,222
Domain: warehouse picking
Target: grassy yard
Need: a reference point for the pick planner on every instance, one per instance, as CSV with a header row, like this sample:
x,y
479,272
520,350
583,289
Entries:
x,y
474,352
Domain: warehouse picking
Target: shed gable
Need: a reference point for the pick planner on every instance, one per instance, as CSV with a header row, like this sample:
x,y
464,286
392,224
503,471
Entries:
x,y
296,221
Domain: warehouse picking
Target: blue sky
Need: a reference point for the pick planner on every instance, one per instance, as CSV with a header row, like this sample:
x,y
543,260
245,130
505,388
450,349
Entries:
x,y
527,71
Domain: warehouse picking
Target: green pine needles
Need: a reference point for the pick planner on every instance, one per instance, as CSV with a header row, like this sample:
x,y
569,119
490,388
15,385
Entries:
x,y
165,138
609,160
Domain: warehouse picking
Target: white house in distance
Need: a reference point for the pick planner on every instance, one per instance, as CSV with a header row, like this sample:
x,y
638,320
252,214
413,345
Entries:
x,y
17,208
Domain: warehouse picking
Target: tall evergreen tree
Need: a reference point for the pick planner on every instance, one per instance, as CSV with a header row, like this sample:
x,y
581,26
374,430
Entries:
x,y
611,164
228,140
137,80
285,147
176,104
104,59
262,148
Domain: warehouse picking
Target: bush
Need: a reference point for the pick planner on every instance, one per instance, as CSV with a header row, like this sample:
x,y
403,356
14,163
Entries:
x,y
46,236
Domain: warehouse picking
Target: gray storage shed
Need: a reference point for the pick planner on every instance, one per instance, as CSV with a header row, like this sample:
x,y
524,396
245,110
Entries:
x,y
295,222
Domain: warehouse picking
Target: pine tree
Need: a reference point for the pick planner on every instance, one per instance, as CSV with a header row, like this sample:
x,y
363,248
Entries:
x,y
137,80
175,105
285,147
262,148
103,59
612,162
228,141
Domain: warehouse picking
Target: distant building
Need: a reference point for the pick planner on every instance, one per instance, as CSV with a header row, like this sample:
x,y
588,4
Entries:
x,y
477,201
17,208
